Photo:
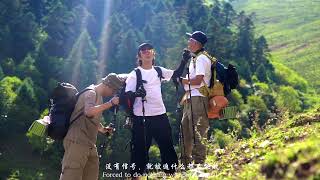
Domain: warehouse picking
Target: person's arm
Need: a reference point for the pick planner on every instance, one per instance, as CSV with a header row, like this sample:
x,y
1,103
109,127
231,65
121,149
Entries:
x,y
91,110
186,56
194,81
201,64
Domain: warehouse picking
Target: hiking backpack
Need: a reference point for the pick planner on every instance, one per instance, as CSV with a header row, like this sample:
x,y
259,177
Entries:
x,y
227,76
63,100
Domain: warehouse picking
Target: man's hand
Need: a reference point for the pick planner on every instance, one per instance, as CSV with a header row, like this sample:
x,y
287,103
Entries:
x,y
178,80
184,81
175,81
114,101
141,92
106,130
186,55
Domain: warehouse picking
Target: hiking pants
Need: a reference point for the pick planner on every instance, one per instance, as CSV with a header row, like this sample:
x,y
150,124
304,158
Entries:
x,y
156,127
80,162
194,150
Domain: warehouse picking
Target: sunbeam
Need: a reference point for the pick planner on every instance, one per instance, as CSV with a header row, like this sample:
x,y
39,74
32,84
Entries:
x,y
103,50
77,50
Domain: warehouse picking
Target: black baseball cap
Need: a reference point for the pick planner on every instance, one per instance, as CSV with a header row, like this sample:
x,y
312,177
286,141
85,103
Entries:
x,y
198,36
144,46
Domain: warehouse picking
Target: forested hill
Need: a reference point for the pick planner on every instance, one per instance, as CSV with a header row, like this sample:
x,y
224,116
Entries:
x,y
43,42
292,29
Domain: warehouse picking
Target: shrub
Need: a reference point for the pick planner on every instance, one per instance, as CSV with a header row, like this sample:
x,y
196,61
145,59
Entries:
x,y
222,139
288,98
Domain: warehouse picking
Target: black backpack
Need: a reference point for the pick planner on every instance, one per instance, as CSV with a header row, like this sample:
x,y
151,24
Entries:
x,y
227,76
63,100
127,102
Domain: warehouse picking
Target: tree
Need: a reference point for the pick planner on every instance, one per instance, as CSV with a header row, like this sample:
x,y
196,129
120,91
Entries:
x,y
261,49
62,29
245,39
81,65
197,14
1,73
245,70
27,68
19,30
126,53
26,107
228,13
8,66
261,73
8,88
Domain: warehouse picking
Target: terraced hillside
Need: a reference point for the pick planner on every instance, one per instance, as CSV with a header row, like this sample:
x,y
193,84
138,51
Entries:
x,y
292,28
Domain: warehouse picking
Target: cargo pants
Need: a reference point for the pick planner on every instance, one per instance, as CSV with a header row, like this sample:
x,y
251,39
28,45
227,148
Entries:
x,y
194,150
80,162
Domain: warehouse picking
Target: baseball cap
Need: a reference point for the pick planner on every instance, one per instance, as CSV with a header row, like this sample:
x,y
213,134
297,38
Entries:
x,y
113,81
198,36
144,46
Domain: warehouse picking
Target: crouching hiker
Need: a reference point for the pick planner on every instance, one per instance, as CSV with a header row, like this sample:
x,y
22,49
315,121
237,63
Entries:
x,y
80,160
149,113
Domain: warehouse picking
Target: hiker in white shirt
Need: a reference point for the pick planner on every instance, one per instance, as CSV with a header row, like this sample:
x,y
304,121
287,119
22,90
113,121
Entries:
x,y
149,113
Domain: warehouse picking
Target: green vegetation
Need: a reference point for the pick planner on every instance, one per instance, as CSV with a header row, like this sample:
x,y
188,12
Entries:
x,y
288,150
292,29
44,42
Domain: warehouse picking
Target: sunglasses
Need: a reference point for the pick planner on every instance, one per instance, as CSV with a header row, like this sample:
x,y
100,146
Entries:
x,y
193,40
145,51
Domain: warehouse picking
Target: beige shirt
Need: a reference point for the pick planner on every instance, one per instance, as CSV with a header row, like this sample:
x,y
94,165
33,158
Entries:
x,y
84,130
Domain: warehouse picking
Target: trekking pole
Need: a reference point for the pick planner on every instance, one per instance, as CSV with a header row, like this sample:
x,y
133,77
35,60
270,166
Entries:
x,y
144,131
106,135
178,111
114,119
192,120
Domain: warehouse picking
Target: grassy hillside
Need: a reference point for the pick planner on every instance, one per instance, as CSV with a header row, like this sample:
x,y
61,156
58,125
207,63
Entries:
x,y
289,150
292,28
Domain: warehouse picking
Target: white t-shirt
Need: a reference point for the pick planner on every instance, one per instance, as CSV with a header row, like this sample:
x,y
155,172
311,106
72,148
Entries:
x,y
199,66
154,104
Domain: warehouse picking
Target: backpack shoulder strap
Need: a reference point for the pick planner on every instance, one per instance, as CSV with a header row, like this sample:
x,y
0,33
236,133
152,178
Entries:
x,y
139,78
159,71
77,97
214,61
83,91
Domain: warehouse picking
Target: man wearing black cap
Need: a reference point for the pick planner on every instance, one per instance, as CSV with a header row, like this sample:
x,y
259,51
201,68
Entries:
x,y
195,122
150,119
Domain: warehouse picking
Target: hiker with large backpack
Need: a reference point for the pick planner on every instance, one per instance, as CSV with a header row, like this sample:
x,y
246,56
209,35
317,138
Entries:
x,y
150,120
80,160
207,83
195,123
